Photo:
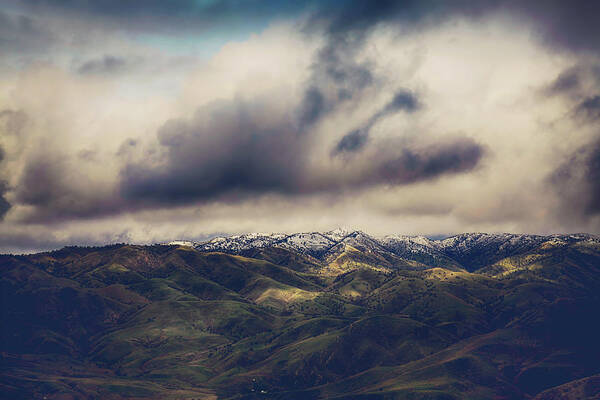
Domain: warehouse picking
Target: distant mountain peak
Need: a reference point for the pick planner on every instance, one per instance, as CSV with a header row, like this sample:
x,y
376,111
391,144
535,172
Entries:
x,y
342,231
338,233
466,250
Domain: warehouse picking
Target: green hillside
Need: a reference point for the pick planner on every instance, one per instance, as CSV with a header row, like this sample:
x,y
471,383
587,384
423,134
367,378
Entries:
x,y
172,322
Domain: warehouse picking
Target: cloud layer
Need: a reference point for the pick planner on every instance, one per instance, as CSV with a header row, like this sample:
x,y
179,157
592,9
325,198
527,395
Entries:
x,y
414,117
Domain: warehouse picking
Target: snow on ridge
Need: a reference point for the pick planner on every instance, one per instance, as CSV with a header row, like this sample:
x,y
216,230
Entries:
x,y
238,243
465,240
316,243
309,241
421,240
337,234
305,242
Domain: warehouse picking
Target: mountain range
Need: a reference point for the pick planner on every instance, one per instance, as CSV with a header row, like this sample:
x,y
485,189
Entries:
x,y
338,314
468,251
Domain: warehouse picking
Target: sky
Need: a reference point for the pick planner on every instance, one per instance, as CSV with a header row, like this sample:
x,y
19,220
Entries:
x,y
151,121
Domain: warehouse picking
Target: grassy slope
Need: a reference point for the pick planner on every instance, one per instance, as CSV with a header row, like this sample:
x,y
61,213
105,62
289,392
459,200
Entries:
x,y
170,322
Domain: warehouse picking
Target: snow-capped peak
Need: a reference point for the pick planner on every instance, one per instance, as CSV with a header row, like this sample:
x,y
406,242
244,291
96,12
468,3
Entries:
x,y
337,234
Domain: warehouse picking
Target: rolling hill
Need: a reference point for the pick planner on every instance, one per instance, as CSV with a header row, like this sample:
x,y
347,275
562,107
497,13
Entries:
x,y
306,316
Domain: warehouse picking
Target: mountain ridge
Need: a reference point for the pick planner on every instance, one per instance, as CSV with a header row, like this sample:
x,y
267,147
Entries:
x,y
464,249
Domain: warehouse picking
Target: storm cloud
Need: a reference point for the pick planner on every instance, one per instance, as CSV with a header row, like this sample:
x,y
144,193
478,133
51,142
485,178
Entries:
x,y
4,204
58,189
577,182
231,150
337,77
357,139
589,108
568,25
567,81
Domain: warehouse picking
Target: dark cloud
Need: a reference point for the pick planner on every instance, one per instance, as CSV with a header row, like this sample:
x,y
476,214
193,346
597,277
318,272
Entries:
x,y
593,179
570,25
58,189
22,33
226,147
53,184
337,77
42,183
313,106
357,139
104,65
231,150
577,182
589,108
360,16
575,85
427,162
403,100
351,142
4,204
568,81
12,123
